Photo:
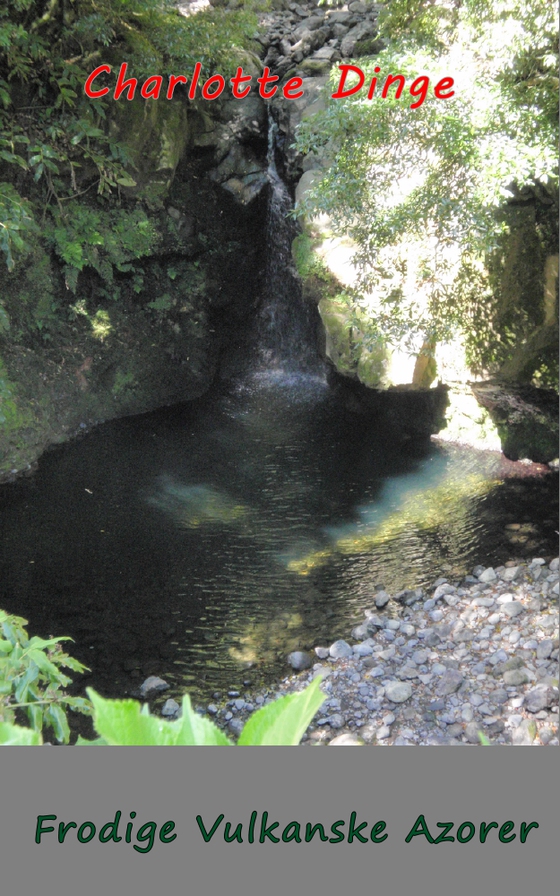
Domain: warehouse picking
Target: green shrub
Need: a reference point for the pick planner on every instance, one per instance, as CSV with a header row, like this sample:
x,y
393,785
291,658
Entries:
x,y
31,680
126,723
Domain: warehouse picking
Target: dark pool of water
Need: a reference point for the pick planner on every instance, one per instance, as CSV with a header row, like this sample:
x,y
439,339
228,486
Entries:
x,y
205,542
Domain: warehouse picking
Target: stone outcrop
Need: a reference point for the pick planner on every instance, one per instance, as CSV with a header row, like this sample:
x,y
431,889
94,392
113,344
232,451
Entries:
x,y
398,414
200,171
526,419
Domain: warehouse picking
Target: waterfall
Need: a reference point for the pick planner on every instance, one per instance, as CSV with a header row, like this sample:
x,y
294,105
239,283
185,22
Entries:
x,y
287,326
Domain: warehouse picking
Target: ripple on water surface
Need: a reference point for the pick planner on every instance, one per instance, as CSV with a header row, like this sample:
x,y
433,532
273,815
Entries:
x,y
205,542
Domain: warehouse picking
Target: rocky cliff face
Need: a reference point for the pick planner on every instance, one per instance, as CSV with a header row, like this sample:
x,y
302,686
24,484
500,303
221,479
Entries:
x,y
200,180
200,174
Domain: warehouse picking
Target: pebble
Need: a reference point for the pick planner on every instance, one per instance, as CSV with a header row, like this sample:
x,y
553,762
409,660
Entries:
x,y
300,660
449,672
339,650
151,686
171,709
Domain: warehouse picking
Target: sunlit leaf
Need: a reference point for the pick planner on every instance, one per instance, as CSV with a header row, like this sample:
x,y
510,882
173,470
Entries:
x,y
284,721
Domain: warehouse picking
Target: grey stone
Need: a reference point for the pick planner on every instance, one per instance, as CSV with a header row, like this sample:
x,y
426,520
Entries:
x,y
340,30
235,726
358,32
472,732
325,53
525,733
346,740
357,7
374,623
322,652
544,649
340,650
340,17
514,662
152,685
455,729
363,649
407,672
531,644
335,721
488,575
383,733
398,691
381,599
171,709
483,602
450,682
515,677
377,672
540,697
499,696
300,660
512,608
438,668
442,590
546,735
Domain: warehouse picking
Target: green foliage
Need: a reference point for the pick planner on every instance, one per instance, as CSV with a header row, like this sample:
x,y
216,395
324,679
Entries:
x,y
56,144
126,723
105,240
31,680
284,721
307,262
425,192
11,416
17,736
17,224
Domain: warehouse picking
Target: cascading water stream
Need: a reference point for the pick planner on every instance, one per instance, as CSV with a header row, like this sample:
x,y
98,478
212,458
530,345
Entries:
x,y
287,326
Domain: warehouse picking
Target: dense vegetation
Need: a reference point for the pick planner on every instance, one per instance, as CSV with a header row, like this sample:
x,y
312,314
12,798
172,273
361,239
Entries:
x,y
64,172
453,204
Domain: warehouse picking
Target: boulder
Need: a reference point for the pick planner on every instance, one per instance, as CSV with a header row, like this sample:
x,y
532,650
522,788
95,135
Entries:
x,y
526,419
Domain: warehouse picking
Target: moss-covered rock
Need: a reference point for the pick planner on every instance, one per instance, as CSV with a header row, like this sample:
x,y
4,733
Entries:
x,y
145,317
526,419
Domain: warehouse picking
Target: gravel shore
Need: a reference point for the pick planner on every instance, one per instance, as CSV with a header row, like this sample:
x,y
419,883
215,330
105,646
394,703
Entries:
x,y
440,666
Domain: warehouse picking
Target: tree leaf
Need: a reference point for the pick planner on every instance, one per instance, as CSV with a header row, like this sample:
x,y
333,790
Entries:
x,y
123,723
284,721
56,718
49,669
18,736
197,730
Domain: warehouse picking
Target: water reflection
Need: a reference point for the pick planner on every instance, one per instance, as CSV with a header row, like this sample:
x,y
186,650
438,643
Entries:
x,y
175,543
